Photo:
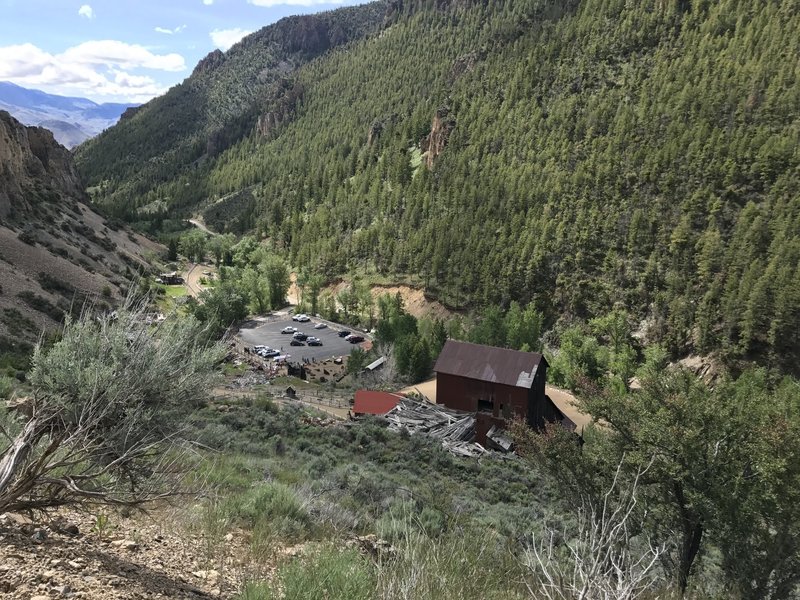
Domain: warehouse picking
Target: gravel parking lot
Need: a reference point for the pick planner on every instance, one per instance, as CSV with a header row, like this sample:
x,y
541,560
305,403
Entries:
x,y
269,334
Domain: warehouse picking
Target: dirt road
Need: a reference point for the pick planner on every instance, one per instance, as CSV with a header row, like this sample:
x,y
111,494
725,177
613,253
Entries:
x,y
193,276
201,226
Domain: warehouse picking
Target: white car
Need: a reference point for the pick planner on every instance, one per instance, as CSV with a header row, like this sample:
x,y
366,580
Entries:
x,y
288,329
320,326
303,318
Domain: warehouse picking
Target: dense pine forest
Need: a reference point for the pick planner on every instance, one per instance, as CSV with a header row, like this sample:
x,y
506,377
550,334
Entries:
x,y
579,156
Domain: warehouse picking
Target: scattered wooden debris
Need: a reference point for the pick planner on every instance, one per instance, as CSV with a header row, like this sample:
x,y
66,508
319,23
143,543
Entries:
x,y
456,429
497,439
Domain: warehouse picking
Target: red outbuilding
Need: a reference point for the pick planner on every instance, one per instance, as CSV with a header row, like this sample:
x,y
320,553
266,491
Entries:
x,y
369,402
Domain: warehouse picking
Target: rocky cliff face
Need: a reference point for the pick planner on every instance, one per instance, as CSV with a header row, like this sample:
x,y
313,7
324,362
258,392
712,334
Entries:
x,y
35,168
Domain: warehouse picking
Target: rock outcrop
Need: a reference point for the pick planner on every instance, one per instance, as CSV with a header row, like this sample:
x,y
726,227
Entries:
x,y
35,168
433,144
281,101
210,62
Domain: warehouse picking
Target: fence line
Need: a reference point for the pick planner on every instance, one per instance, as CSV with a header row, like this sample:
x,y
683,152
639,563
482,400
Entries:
x,y
333,401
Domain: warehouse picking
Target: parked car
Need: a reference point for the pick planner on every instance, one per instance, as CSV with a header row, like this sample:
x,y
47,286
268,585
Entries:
x,y
289,329
270,353
296,342
344,333
355,339
312,341
303,318
320,326
259,347
299,335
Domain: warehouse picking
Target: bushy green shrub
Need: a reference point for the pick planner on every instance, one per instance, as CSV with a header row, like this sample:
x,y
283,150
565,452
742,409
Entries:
x,y
272,511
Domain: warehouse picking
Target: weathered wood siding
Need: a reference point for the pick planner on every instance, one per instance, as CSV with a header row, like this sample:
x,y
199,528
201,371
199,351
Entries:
x,y
506,402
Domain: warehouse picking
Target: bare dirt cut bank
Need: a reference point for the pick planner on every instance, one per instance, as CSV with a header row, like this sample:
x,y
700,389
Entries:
x,y
414,299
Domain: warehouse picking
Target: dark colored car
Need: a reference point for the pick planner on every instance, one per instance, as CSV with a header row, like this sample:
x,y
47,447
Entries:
x,y
344,333
315,342
297,342
355,339
300,336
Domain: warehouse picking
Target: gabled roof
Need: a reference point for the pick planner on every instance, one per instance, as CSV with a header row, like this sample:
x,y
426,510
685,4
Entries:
x,y
487,363
374,403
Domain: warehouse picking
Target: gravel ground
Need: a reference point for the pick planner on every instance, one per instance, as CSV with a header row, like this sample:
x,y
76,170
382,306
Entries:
x,y
137,558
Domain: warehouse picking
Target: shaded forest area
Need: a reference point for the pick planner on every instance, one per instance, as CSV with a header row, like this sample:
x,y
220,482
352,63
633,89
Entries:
x,y
580,156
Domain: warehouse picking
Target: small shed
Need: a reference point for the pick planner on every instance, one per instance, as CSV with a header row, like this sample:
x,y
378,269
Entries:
x,y
369,402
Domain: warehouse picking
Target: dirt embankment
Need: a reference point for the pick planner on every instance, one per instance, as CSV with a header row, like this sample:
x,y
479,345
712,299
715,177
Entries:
x,y
414,299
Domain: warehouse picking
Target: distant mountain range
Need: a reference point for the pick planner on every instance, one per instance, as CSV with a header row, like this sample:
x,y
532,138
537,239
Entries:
x,y
72,120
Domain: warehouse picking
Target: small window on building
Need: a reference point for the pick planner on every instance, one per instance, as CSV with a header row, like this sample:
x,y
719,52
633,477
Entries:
x,y
485,406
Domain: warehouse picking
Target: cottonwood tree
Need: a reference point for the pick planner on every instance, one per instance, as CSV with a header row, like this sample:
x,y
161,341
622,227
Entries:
x,y
103,422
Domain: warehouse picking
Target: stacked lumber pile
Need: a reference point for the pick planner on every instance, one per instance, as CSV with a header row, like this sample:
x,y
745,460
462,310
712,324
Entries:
x,y
456,429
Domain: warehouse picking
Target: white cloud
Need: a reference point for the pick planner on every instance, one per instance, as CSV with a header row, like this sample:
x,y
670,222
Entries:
x,y
96,69
269,3
225,38
86,11
128,56
208,2
169,31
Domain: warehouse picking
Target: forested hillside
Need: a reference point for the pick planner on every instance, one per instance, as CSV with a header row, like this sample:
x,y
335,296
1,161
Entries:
x,y
578,155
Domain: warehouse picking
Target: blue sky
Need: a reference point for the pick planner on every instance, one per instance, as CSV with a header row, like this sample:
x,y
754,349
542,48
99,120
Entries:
x,y
125,50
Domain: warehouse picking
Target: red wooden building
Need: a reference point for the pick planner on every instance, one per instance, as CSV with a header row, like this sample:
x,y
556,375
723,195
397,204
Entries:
x,y
369,402
495,383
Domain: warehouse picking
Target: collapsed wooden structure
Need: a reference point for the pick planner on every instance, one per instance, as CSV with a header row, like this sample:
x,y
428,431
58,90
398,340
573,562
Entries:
x,y
455,428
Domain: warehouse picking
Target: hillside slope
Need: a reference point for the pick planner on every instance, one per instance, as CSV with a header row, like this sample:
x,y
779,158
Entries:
x,y
216,106
55,251
578,155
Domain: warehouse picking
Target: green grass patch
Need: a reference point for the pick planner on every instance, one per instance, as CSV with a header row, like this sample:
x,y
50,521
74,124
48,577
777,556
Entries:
x,y
231,370
326,572
176,291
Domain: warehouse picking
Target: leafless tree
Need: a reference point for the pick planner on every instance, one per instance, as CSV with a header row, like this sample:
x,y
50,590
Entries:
x,y
103,422
599,560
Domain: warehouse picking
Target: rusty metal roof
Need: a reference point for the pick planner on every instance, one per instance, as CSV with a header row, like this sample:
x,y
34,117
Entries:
x,y
375,403
487,363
